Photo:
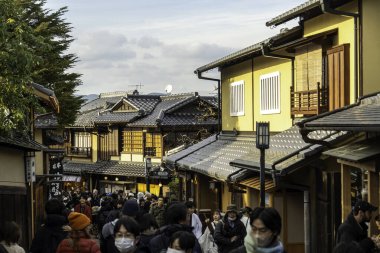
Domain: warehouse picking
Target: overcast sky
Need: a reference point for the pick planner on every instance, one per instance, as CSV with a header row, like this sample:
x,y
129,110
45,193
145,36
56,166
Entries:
x,y
123,43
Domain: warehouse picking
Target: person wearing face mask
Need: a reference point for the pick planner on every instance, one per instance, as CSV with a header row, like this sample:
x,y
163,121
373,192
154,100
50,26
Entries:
x,y
229,234
181,242
354,228
263,237
126,232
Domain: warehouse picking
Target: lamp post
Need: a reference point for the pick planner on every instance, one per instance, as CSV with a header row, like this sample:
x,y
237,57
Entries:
x,y
148,167
262,143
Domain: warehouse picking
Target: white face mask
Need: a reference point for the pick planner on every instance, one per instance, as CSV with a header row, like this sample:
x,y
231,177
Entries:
x,y
124,244
170,250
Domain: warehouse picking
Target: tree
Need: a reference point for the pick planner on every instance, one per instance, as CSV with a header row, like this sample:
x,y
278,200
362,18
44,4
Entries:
x,y
17,60
52,70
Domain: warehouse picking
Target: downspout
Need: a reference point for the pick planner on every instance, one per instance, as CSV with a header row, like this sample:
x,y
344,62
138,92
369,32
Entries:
x,y
265,53
326,8
199,74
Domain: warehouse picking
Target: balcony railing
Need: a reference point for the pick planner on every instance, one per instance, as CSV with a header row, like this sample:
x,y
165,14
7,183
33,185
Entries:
x,y
309,102
79,151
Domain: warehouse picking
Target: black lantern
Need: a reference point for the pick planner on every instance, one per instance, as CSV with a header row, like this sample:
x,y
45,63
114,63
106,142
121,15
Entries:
x,y
262,135
262,143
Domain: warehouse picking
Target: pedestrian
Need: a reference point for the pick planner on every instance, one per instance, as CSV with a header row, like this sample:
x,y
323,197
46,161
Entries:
x,y
79,240
354,228
264,235
148,228
245,213
207,241
176,219
158,211
193,219
351,247
125,236
83,207
53,231
229,234
181,242
10,234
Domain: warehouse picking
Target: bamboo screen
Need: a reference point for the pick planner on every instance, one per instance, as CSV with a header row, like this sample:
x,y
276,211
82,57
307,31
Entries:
x,y
133,141
153,144
308,67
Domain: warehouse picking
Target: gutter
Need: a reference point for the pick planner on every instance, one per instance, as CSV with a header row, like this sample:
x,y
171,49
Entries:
x,y
326,8
199,74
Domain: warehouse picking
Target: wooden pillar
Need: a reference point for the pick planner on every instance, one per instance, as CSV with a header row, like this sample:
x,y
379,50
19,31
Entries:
x,y
285,218
373,197
345,190
271,199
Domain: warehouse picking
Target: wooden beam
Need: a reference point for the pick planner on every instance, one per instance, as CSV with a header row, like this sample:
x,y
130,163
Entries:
x,y
345,191
370,165
373,197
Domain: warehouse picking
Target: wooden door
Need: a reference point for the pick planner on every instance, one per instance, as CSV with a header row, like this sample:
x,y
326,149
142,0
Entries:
x,y
338,67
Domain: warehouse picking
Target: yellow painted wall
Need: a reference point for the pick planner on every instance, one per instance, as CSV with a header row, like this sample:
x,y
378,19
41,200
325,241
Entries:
x,y
226,197
94,147
263,65
238,72
12,167
371,46
346,35
39,162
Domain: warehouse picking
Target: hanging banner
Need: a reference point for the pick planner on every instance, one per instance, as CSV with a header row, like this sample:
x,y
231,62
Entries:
x,y
55,168
30,169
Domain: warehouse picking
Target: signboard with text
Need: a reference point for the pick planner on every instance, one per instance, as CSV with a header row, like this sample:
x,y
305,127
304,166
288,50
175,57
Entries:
x,y
55,168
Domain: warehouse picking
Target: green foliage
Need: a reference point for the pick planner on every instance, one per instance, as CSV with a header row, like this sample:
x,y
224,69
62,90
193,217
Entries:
x,y
174,186
33,45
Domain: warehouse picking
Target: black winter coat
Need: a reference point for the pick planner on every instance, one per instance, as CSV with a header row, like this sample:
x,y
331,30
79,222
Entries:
x,y
161,241
350,230
49,235
224,232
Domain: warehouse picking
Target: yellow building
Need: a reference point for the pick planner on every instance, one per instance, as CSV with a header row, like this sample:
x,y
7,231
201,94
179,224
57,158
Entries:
x,y
325,63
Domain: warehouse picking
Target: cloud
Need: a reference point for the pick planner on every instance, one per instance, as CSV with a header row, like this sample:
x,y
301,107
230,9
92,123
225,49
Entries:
x,y
148,42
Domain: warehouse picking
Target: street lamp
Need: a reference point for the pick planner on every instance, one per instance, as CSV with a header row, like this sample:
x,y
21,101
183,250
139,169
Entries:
x,y
262,143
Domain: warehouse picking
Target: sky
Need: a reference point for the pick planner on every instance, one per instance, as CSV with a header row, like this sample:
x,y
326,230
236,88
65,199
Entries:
x,y
155,43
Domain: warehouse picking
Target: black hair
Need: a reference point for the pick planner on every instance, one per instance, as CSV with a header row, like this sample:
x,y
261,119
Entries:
x,y
186,240
190,204
348,247
129,223
176,213
377,217
10,232
146,221
54,206
269,216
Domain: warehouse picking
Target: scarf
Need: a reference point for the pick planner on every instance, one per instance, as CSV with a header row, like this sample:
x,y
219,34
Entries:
x,y
251,246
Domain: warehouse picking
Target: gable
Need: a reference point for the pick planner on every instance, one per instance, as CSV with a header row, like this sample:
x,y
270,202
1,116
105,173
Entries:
x,y
125,107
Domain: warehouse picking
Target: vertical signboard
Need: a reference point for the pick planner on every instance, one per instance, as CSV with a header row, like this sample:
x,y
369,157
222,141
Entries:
x,y
55,168
30,169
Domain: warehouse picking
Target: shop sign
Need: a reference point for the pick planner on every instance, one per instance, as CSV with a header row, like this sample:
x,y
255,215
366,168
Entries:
x,y
56,168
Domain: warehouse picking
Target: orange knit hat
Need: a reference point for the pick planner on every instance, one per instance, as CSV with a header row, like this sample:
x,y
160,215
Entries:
x,y
78,221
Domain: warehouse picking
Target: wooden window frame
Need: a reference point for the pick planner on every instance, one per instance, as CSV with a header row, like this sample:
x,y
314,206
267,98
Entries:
x,y
237,98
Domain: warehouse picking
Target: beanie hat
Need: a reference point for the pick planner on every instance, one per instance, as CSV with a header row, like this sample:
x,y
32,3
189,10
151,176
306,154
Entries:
x,y
130,208
78,221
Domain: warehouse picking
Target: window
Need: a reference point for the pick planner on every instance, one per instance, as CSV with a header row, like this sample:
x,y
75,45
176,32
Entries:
x,y
153,144
270,93
82,140
237,98
133,141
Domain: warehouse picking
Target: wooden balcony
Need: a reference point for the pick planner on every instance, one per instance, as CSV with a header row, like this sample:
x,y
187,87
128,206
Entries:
x,y
79,151
309,102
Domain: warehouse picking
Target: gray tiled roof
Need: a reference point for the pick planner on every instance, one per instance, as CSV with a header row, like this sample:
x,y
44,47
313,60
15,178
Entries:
x,y
86,119
186,119
130,169
21,143
167,103
76,168
116,117
213,159
46,121
286,149
211,100
362,116
245,51
146,102
294,12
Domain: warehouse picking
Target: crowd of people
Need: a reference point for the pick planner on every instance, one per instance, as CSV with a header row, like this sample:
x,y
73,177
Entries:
x,y
123,223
